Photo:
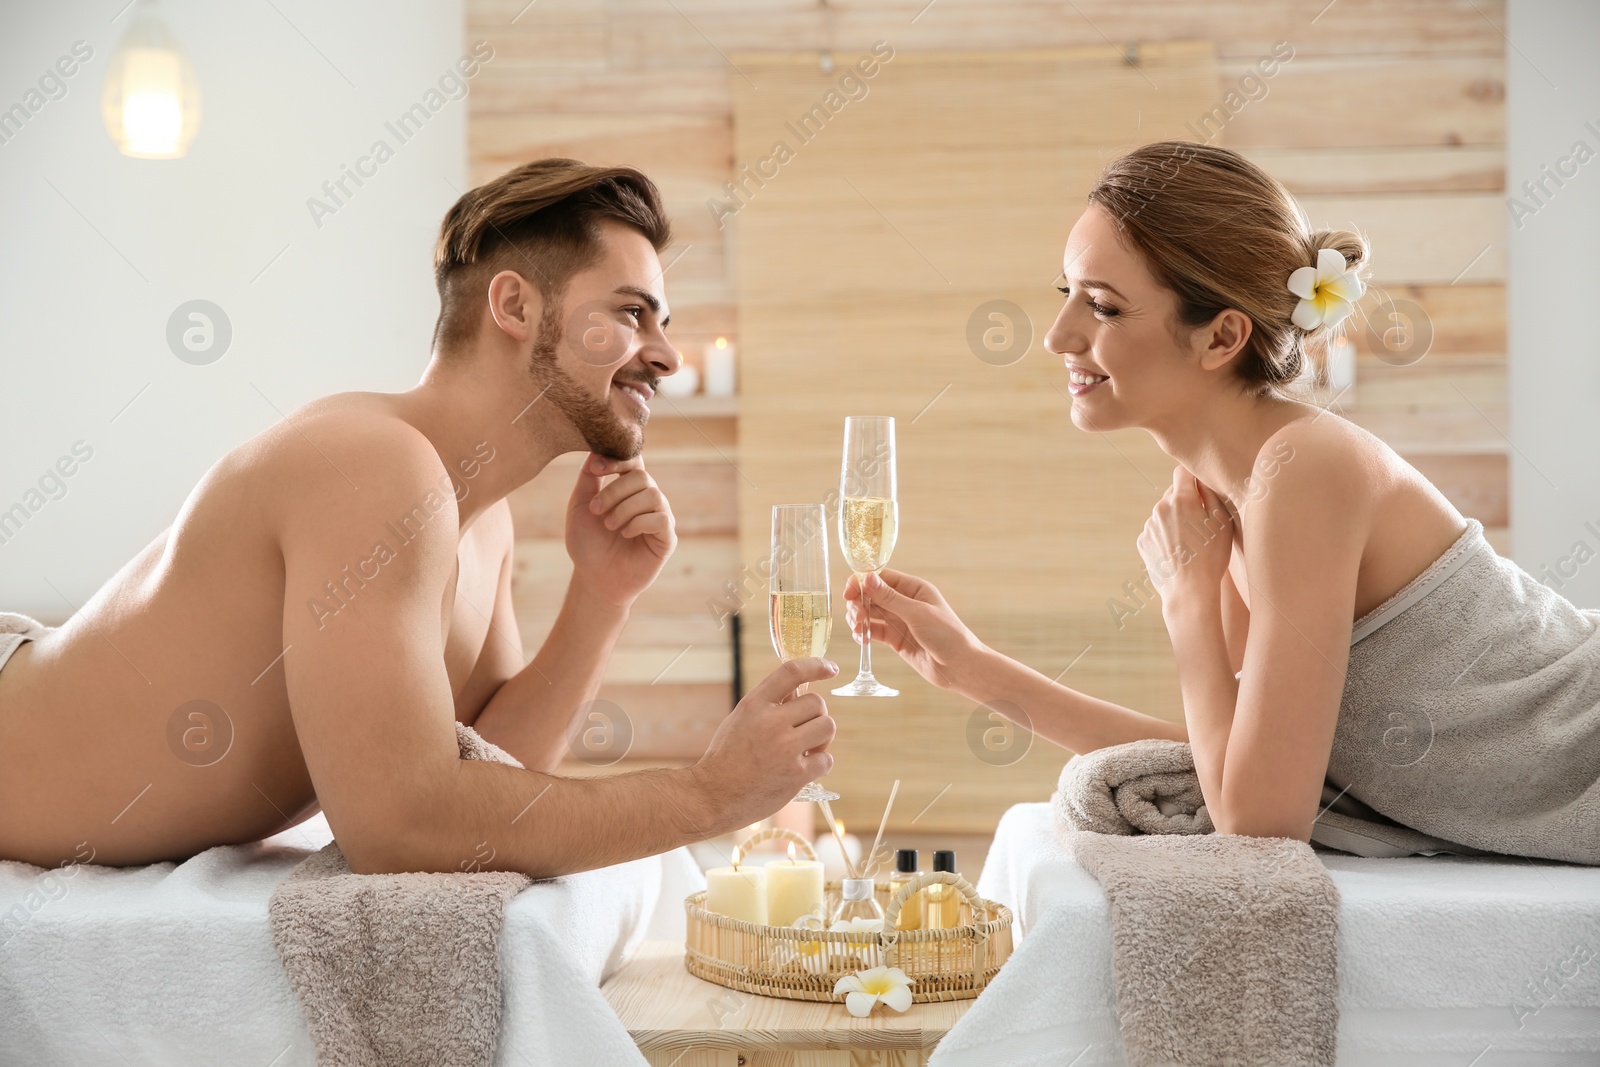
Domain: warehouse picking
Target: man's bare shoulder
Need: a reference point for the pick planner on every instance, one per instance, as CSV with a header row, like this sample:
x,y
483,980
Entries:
x,y
347,460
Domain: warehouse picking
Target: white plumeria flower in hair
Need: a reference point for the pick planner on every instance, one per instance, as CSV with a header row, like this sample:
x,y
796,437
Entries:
x,y
864,989
1328,292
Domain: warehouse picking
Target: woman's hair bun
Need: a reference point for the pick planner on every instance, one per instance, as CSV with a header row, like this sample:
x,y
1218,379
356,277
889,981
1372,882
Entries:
x,y
1351,245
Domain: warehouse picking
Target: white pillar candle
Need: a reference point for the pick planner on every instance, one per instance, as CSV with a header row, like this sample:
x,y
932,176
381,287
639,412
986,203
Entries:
x,y
738,892
683,383
719,362
794,888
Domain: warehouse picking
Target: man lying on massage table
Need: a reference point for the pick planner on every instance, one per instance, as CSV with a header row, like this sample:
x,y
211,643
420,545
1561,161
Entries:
x,y
340,587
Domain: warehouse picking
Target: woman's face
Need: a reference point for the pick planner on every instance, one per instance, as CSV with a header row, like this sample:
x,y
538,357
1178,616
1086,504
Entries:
x,y
1114,333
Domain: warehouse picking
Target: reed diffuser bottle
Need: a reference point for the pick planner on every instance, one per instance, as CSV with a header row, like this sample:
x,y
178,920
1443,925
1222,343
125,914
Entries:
x,y
858,900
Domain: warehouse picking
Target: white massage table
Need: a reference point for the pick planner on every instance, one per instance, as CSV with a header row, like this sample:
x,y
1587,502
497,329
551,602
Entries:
x,y
1438,961
174,965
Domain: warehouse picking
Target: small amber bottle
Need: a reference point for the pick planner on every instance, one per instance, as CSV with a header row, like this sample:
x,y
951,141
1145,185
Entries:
x,y
942,903
905,869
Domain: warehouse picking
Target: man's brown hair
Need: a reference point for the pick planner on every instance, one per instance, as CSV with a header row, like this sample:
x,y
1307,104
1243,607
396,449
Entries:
x,y
541,220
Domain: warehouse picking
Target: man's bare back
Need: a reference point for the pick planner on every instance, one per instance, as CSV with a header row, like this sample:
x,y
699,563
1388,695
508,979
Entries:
x,y
156,722
336,593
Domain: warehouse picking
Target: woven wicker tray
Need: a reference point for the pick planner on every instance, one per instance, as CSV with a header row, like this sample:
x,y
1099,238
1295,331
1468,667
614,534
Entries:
x,y
801,964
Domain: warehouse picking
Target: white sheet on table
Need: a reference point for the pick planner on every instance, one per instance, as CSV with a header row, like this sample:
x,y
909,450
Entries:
x,y
1436,954
173,964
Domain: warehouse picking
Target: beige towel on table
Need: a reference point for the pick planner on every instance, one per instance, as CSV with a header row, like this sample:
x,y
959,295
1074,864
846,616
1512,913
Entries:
x,y
396,969
1224,948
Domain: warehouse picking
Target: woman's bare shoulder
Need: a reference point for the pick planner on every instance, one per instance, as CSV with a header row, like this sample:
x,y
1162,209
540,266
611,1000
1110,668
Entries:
x,y
1397,519
1375,472
1319,461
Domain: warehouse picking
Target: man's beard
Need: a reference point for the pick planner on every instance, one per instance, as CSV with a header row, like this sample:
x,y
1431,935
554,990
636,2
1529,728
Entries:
x,y
602,429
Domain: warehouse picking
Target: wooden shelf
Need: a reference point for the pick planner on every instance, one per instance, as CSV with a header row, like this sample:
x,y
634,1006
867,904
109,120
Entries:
x,y
694,407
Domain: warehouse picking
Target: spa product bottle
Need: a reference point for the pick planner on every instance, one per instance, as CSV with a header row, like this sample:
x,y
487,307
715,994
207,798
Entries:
x,y
905,869
858,900
942,903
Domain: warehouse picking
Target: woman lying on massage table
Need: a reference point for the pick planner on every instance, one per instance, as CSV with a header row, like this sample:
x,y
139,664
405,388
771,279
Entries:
x,y
1332,615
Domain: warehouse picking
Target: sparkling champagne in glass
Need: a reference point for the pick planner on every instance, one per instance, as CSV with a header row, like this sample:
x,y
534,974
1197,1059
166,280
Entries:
x,y
868,521
801,606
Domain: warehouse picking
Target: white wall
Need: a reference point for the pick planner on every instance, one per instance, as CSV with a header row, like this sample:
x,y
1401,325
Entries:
x,y
1553,97
90,274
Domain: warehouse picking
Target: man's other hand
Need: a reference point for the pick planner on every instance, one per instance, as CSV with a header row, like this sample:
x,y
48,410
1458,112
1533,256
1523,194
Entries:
x,y
620,529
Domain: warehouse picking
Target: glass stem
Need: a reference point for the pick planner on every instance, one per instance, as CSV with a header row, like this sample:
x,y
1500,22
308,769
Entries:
x,y
866,643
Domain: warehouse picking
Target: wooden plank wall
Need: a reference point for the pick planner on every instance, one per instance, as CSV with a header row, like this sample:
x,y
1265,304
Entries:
x,y
1389,116
861,265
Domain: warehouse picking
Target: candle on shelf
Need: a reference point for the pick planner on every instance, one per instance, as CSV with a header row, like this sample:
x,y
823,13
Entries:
x,y
738,892
837,865
794,888
719,360
683,383
1341,364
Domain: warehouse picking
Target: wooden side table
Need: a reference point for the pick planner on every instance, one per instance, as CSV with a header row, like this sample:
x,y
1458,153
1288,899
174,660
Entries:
x,y
678,1020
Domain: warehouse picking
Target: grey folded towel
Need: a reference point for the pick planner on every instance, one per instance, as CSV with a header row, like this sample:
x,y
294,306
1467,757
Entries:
x,y
1150,787
394,969
1224,949
1146,787
1471,709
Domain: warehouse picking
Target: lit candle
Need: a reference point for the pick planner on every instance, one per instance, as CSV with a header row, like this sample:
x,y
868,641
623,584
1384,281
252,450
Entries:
x,y
794,888
719,360
683,383
835,865
738,892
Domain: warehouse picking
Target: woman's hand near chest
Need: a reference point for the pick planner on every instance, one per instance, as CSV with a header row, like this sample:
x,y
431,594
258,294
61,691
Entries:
x,y
1261,741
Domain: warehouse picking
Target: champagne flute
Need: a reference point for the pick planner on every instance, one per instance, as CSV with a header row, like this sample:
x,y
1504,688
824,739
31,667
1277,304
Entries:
x,y
868,522
801,605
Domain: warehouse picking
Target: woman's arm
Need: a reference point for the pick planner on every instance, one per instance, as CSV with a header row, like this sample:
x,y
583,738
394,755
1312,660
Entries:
x,y
1261,744
1071,719
1206,681
1235,622
913,618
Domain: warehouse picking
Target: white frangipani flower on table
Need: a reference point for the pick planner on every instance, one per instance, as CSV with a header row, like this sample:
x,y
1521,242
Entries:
x,y
864,989
1327,292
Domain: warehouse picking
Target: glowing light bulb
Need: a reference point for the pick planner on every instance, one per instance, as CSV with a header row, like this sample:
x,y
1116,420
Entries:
x,y
150,101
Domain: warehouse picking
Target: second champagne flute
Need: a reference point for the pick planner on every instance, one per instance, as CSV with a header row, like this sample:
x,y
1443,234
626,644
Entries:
x,y
801,608
868,522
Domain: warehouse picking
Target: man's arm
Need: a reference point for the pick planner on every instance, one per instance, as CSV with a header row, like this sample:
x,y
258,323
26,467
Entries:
x,y
619,532
374,716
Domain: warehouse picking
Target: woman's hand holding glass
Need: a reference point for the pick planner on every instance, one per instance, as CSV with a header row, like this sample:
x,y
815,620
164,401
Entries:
x,y
911,616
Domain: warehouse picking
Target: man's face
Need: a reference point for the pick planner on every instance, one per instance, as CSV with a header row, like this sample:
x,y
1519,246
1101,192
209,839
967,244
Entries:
x,y
602,348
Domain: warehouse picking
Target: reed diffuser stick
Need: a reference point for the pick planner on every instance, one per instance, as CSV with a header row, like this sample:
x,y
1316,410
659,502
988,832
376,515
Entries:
x,y
833,824
872,857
